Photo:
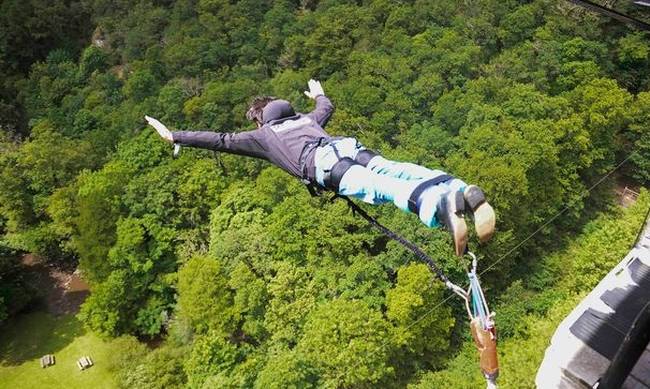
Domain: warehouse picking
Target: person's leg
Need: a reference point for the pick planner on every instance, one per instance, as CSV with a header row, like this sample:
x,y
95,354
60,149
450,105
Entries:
x,y
484,217
383,180
437,205
371,187
410,171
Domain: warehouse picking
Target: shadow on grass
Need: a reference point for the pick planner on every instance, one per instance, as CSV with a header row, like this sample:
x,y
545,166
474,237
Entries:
x,y
32,335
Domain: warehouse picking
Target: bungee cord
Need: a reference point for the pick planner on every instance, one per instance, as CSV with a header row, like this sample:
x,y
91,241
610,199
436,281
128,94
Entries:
x,y
482,325
457,290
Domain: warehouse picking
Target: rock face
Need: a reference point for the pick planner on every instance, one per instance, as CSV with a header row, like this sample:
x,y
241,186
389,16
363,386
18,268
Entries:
x,y
99,38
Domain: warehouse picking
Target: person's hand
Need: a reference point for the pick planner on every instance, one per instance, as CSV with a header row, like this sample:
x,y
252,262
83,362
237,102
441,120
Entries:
x,y
315,89
161,129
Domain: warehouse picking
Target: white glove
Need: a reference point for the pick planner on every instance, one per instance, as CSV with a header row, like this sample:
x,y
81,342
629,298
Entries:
x,y
315,89
162,130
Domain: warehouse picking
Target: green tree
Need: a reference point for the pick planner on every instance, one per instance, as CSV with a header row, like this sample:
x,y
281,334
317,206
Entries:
x,y
346,342
161,368
417,299
106,309
15,289
204,297
93,59
98,198
286,369
140,84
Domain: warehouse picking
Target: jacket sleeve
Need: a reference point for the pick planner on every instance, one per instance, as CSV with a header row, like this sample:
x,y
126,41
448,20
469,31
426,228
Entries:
x,y
248,143
323,111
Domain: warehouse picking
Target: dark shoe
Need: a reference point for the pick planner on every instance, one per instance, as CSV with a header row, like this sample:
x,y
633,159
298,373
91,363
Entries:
x,y
484,217
451,215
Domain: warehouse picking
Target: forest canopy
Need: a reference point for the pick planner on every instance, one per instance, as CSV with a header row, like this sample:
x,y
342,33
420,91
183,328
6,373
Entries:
x,y
249,280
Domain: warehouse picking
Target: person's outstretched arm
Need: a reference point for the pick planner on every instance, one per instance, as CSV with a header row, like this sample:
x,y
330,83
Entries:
x,y
324,107
248,143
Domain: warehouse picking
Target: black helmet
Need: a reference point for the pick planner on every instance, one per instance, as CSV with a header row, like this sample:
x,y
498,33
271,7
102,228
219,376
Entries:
x,y
277,109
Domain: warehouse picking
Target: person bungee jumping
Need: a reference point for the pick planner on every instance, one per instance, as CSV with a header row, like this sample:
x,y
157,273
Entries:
x,y
298,144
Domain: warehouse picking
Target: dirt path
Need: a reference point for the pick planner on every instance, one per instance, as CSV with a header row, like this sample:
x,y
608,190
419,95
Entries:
x,y
63,291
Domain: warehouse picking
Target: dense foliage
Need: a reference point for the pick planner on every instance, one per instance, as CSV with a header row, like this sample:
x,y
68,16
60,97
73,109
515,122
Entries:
x,y
252,282
15,290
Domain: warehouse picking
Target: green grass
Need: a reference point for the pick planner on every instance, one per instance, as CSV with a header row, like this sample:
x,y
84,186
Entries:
x,y
26,338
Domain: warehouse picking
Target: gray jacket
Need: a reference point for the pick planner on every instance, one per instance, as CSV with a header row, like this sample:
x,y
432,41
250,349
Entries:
x,y
284,142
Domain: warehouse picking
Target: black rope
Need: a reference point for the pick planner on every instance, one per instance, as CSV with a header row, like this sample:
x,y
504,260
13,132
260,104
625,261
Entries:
x,y
394,236
612,14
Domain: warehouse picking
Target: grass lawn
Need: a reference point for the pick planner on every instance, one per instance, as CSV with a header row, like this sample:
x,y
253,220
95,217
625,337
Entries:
x,y
26,338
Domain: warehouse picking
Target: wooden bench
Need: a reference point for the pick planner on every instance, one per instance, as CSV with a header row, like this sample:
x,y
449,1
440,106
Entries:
x,y
84,362
47,360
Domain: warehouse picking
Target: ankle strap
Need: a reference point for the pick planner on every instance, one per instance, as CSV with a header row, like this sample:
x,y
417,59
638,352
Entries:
x,y
413,203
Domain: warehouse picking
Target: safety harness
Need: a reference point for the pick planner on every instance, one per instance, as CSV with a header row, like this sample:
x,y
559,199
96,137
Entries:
x,y
332,177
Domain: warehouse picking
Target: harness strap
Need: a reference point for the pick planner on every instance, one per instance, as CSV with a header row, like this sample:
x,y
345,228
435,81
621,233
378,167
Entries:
x,y
313,188
333,177
413,203
308,177
306,149
364,157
